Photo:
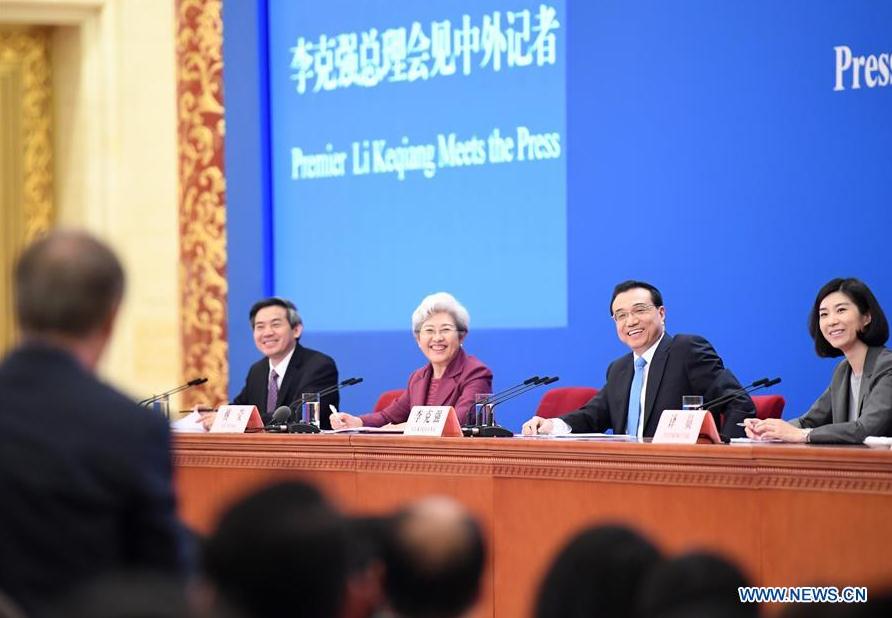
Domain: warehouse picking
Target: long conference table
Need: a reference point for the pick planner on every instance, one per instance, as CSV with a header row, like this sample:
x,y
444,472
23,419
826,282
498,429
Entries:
x,y
787,514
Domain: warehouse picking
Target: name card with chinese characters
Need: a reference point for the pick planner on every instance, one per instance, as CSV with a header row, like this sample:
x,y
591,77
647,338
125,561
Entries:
x,y
686,427
433,421
236,419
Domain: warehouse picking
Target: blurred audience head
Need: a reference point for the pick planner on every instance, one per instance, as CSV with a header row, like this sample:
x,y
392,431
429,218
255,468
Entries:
x,y
67,285
280,552
694,584
365,578
598,573
434,558
9,608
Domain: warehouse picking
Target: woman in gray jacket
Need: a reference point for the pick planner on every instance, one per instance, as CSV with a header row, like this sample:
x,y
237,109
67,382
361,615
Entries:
x,y
846,319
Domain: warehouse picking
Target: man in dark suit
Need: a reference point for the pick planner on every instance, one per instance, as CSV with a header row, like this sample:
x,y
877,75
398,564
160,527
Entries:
x,y
85,474
660,370
288,369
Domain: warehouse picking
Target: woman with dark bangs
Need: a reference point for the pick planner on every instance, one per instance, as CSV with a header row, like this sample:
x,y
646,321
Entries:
x,y
846,320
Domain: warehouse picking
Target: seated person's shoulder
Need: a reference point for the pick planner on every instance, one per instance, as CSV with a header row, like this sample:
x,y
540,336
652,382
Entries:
x,y
316,356
884,360
690,343
688,339
472,363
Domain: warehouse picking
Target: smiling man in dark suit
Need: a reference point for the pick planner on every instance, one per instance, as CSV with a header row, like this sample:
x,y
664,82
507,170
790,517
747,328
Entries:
x,y
660,370
85,474
288,369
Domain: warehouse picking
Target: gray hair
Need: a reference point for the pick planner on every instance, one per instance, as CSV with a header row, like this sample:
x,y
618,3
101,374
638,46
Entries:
x,y
441,302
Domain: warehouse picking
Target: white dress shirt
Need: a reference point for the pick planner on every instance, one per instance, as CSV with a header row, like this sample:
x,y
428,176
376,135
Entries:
x,y
280,368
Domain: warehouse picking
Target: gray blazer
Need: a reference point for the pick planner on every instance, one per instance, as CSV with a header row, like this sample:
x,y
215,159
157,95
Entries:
x,y
829,415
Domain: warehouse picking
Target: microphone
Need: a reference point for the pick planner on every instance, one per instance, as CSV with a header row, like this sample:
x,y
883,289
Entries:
x,y
507,391
279,422
541,382
516,387
150,400
746,390
301,427
491,429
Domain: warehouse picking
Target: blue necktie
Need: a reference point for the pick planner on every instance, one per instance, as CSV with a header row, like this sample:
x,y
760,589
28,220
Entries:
x,y
635,397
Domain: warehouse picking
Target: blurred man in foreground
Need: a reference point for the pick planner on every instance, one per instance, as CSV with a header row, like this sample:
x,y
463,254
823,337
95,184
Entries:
x,y
85,474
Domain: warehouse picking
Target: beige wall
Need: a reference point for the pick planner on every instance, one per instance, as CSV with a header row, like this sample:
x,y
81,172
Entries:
x,y
116,162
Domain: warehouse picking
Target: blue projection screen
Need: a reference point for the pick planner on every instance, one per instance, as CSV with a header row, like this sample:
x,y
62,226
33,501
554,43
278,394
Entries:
x,y
736,154
418,147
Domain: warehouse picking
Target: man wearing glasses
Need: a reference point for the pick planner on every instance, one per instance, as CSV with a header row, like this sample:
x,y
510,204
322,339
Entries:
x,y
660,370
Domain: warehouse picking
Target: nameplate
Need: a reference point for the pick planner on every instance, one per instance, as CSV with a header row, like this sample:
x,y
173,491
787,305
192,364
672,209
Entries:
x,y
433,421
686,427
236,419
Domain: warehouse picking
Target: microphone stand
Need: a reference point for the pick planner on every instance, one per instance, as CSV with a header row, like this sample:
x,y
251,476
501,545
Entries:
x,y
492,430
145,403
755,386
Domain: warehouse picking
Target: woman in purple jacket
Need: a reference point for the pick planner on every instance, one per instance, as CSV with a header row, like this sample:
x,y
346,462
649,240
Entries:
x,y
451,377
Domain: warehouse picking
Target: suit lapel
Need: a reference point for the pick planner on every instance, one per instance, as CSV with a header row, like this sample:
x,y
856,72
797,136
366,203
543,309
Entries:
x,y
869,363
655,376
449,381
840,403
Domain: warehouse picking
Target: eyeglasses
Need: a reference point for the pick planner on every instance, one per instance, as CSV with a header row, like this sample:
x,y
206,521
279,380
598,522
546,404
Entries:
x,y
443,331
639,311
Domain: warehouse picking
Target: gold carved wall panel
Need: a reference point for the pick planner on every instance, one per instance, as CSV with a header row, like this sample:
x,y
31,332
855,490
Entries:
x,y
26,153
202,197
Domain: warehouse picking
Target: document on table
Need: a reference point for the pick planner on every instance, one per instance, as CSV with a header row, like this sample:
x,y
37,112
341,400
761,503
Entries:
x,y
878,442
755,441
387,429
592,437
191,423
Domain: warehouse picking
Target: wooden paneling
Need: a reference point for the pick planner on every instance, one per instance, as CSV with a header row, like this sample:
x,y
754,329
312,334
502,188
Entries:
x,y
787,514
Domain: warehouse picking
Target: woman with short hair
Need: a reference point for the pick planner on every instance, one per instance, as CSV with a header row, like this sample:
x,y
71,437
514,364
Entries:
x,y
451,377
845,320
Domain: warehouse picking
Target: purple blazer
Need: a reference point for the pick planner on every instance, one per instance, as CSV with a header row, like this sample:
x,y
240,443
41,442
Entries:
x,y
464,377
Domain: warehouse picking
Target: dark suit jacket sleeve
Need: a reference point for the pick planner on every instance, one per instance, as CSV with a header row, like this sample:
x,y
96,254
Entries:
x,y
708,375
154,537
594,416
249,395
242,398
